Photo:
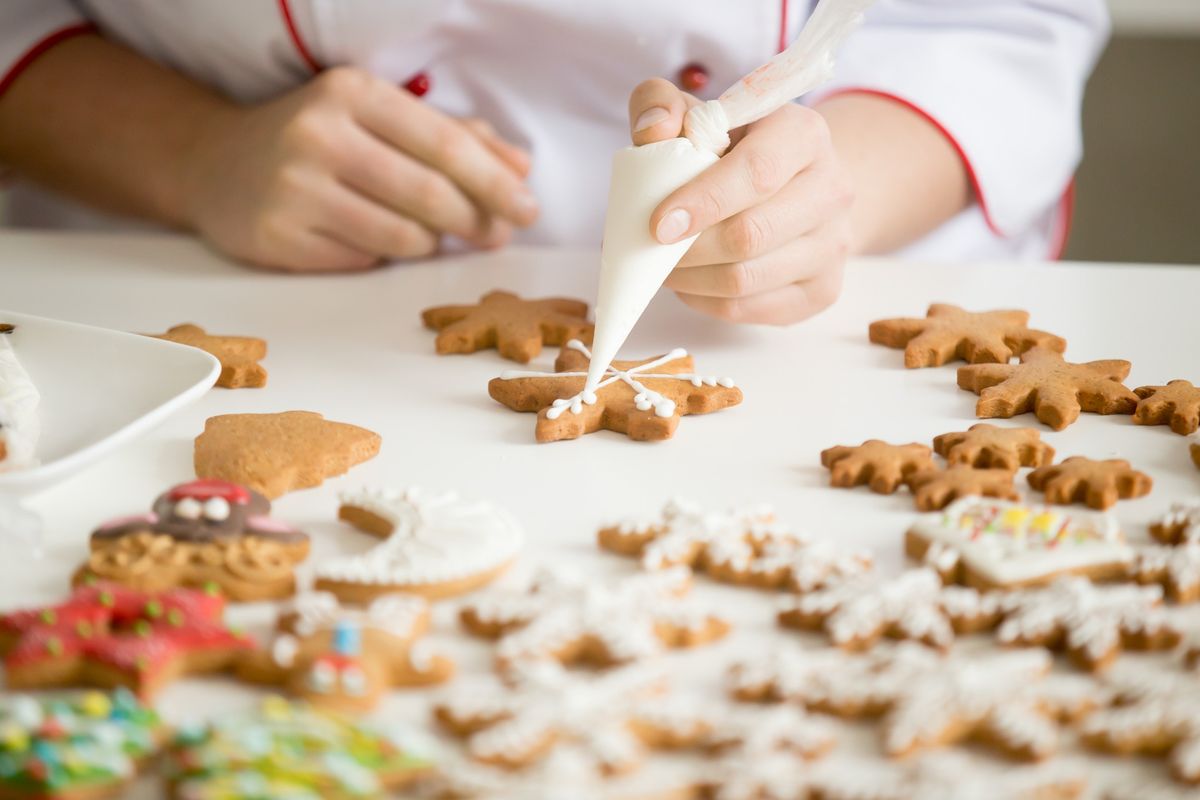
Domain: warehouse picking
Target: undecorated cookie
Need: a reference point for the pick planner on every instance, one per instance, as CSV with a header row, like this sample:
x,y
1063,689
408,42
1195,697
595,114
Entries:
x,y
239,355
1177,404
935,488
882,466
279,453
948,332
987,446
1098,484
517,328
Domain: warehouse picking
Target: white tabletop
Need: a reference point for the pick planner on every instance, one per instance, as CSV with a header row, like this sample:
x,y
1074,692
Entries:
x,y
352,348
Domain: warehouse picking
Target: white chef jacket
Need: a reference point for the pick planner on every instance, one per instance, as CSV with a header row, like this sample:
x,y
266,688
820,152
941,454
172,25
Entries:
x,y
1003,79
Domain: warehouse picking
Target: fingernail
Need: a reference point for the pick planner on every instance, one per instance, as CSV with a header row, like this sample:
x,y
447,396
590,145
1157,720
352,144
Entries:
x,y
673,226
649,118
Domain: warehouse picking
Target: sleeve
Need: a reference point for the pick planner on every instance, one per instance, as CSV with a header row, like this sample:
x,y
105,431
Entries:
x,y
28,28
1003,80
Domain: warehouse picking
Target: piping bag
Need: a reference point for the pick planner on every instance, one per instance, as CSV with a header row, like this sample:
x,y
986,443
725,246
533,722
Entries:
x,y
633,264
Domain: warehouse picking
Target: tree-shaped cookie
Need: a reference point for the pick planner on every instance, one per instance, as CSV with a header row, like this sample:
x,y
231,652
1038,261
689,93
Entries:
x,y
239,355
882,466
641,399
1177,404
1098,484
1180,524
949,774
948,332
1054,389
987,446
517,328
936,488
279,453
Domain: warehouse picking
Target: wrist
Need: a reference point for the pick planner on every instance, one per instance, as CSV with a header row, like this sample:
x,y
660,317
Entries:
x,y
201,159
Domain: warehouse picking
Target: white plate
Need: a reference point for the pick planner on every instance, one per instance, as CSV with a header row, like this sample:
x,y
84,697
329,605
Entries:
x,y
100,388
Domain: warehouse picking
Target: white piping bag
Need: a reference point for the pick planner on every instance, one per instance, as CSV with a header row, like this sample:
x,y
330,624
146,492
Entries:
x,y
633,265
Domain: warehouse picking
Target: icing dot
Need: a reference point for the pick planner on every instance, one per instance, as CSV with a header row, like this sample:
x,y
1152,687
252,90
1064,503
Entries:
x,y
188,508
216,509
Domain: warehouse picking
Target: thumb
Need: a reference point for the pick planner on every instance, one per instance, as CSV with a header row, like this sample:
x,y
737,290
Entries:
x,y
656,110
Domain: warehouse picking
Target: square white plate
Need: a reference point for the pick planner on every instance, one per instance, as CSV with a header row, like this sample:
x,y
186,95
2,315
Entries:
x,y
100,388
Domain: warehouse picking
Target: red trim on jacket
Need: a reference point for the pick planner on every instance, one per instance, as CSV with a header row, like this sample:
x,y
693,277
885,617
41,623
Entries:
x,y
1066,215
285,10
40,48
783,25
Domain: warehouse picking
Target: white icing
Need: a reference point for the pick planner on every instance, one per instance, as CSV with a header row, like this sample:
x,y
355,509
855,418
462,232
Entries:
x,y
284,650
216,509
397,614
1185,516
188,508
20,425
435,538
1178,567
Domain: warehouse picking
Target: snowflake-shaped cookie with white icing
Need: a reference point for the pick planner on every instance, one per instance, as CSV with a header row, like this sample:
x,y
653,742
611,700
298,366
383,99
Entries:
x,y
575,620
1176,569
1179,525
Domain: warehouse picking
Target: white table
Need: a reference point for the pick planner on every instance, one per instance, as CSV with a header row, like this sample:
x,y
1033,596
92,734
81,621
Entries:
x,y
352,347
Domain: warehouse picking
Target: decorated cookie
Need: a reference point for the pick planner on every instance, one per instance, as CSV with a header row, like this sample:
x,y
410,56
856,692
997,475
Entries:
x,y
108,635
1148,787
279,453
20,423
949,775
744,546
948,333
516,328
85,744
435,544
239,355
1180,524
882,466
573,620
1176,569
207,533
293,751
1155,712
986,446
855,613
998,544
1053,389
1177,404
935,488
346,659
1098,484
641,399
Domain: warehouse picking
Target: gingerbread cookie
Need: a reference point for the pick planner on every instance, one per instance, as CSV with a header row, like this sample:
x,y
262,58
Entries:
x,y
279,453
516,328
346,659
107,635
882,466
1177,404
765,754
743,546
987,446
20,423
949,332
207,533
1195,449
1053,389
997,544
573,620
76,745
1176,569
293,751
239,355
1180,524
435,544
641,399
1098,484
949,775
936,488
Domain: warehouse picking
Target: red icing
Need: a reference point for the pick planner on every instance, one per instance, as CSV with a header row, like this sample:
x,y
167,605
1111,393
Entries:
x,y
208,488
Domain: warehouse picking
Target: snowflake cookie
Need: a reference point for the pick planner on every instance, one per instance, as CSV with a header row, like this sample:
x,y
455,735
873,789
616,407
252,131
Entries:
x,y
239,355
435,544
1098,484
568,618
1177,404
881,466
1176,569
936,488
986,446
998,544
517,328
1180,524
744,546
949,332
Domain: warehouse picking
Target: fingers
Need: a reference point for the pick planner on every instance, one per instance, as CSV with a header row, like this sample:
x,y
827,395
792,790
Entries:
x,y
772,151
656,111
369,227
800,260
515,157
302,250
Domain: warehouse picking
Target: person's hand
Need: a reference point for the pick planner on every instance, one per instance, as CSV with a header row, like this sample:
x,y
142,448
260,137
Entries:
x,y
773,212
350,170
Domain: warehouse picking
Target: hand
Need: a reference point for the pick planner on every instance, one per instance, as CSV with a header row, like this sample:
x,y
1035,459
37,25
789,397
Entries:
x,y
773,213
348,171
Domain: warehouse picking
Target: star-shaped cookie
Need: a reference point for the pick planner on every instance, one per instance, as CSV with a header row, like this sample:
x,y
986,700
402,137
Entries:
x,y
1177,404
1054,389
1099,484
517,328
985,445
641,399
239,355
880,465
936,488
948,332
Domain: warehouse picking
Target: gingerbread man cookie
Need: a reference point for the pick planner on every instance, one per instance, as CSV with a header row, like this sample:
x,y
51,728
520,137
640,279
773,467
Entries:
x,y
1177,404
1180,524
346,659
1054,389
239,355
882,466
1098,484
642,399
516,328
435,544
279,453
935,488
949,332
987,446
200,534
108,635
